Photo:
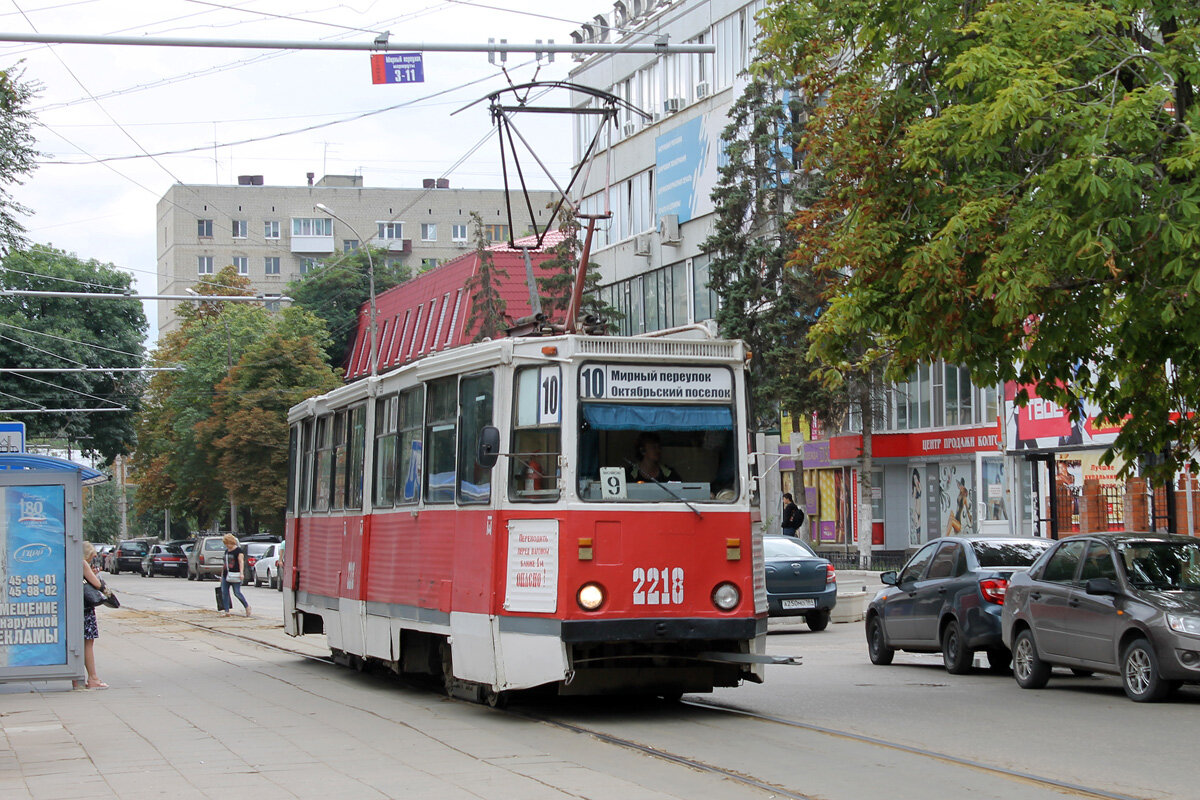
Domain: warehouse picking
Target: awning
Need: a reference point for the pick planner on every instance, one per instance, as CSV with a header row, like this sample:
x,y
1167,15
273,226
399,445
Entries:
x,y
617,417
87,475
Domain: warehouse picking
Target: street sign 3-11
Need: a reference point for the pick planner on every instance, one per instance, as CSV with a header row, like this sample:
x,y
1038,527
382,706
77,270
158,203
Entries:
x,y
397,68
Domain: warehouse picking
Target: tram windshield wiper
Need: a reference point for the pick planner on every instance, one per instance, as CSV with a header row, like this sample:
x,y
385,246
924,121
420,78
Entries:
x,y
666,488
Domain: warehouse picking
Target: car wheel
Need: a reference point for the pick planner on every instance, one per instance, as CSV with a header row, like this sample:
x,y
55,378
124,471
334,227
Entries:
x,y
999,660
817,620
877,647
257,581
1028,668
955,654
1140,674
270,580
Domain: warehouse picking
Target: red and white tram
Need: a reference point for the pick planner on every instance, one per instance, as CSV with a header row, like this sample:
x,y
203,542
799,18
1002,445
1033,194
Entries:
x,y
480,514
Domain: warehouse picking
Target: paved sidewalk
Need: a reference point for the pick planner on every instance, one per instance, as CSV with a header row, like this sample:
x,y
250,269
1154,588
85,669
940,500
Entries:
x,y
192,713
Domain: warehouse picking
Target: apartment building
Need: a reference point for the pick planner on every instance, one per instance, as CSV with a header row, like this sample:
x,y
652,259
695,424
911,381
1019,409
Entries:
x,y
275,234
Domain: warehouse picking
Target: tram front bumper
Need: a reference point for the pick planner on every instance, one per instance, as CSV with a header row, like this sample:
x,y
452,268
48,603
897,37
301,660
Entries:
x,y
695,629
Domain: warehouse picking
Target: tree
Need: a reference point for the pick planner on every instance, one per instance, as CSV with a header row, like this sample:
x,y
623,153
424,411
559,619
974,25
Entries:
x,y
336,290
1014,188
557,281
58,332
488,308
247,433
17,153
765,301
187,442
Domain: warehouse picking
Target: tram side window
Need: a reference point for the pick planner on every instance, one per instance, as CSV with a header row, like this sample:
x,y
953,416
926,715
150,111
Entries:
x,y
293,465
306,463
385,451
441,420
358,437
410,450
338,500
323,458
476,402
537,434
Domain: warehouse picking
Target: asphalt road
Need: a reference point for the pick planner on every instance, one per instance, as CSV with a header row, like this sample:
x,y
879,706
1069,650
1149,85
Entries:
x,y
932,734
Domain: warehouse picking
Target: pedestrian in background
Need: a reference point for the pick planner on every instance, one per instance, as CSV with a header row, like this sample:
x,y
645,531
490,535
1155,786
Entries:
x,y
793,517
91,631
233,573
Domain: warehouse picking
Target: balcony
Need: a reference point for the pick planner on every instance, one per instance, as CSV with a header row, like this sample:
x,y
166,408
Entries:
x,y
393,245
313,244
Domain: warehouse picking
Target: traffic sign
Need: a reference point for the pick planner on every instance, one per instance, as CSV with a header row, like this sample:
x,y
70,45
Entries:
x,y
397,68
12,437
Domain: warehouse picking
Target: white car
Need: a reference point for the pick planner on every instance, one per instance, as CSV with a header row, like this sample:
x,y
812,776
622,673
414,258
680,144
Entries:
x,y
268,565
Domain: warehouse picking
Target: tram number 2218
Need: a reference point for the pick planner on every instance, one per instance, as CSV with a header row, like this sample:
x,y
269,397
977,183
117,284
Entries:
x,y
657,587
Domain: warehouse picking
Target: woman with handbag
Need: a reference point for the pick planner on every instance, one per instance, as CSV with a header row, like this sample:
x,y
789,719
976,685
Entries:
x,y
231,576
91,631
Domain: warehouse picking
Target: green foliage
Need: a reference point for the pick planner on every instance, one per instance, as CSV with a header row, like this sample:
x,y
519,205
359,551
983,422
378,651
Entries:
x,y
57,332
488,308
556,285
218,427
101,517
336,290
767,302
17,153
1013,187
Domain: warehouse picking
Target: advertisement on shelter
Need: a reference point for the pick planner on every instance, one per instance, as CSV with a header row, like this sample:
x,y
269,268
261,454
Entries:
x,y
33,573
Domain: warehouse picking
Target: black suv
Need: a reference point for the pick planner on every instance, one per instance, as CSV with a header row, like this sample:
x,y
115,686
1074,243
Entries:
x,y
128,556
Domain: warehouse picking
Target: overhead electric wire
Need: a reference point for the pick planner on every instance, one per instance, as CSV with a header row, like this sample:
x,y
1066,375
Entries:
x,y
42,350
71,341
65,388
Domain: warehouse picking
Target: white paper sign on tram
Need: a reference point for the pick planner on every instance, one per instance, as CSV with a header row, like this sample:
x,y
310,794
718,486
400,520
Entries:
x,y
642,382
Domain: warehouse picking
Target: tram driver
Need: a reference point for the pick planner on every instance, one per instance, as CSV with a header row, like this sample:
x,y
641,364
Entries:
x,y
649,465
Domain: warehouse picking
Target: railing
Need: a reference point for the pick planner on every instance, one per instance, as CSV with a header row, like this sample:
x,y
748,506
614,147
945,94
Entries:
x,y
877,562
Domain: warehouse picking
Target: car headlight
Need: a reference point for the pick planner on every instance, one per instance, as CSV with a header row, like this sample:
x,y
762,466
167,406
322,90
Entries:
x,y
590,596
726,596
1184,624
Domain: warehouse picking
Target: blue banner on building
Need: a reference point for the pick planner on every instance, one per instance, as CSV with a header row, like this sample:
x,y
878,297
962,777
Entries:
x,y
33,538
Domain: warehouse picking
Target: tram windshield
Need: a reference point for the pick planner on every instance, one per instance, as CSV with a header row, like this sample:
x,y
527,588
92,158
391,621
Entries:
x,y
657,453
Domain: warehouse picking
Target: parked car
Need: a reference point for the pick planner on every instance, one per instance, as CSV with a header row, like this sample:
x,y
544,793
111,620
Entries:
x,y
948,598
266,568
100,560
799,582
127,555
165,559
1124,603
254,551
207,558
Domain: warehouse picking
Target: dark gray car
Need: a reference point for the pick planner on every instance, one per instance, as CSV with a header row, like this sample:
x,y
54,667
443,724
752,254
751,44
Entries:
x,y
1121,603
948,598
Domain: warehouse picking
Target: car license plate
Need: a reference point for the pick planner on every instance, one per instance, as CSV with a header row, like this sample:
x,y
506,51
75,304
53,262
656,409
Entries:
x,y
803,603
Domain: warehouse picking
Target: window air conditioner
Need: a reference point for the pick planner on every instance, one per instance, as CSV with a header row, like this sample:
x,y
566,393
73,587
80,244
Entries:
x,y
630,128
672,105
668,229
641,245
701,90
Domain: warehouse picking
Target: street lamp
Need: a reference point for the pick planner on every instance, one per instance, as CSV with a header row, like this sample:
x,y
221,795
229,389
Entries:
x,y
370,282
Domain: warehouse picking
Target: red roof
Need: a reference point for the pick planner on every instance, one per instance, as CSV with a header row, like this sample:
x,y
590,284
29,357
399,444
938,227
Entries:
x,y
430,312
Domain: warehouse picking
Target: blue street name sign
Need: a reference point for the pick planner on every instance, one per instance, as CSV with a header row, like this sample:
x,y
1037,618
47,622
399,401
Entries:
x,y
397,68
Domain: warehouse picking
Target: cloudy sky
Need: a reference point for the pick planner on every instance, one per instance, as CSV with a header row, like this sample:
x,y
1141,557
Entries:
x,y
109,115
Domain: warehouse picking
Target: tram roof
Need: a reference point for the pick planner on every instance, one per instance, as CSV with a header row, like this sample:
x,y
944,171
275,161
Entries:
x,y
430,313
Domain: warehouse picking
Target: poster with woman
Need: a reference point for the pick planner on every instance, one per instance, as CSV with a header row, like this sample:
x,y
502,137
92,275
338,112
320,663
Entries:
x,y
957,499
916,507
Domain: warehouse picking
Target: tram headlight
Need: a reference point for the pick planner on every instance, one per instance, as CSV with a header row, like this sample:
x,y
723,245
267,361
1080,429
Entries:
x,y
590,596
726,596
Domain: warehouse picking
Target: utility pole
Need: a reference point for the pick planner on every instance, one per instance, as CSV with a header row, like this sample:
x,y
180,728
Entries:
x,y
122,504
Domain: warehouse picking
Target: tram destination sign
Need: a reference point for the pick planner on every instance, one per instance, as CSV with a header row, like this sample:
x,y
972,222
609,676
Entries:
x,y
654,382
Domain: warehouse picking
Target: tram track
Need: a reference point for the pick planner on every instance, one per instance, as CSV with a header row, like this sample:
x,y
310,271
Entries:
x,y
529,713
